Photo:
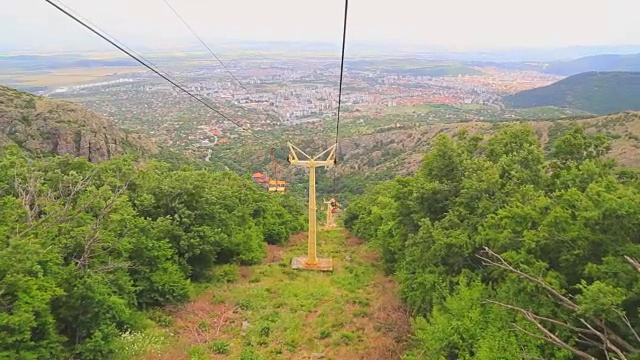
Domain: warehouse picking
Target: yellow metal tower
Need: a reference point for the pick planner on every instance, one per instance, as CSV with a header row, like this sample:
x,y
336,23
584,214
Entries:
x,y
332,204
312,262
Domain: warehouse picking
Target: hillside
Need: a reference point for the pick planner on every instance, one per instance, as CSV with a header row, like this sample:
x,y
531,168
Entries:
x,y
595,92
370,158
400,152
607,62
42,125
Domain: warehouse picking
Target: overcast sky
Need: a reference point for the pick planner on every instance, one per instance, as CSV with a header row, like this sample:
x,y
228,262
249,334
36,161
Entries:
x,y
462,24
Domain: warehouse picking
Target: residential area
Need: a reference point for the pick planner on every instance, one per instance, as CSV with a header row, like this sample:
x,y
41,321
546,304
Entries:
x,y
271,93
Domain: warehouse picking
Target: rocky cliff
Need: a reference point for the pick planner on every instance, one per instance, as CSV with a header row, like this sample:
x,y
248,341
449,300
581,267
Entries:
x,y
43,125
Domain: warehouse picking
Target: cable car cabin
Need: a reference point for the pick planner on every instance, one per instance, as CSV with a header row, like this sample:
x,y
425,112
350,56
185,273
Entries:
x,y
277,186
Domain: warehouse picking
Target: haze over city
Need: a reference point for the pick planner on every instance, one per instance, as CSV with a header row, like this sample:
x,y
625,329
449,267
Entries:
x,y
458,24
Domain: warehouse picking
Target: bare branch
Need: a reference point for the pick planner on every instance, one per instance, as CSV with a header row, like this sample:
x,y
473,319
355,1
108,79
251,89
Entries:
x,y
93,235
28,194
633,262
504,265
112,266
61,214
605,340
628,323
549,337
587,341
538,317
610,335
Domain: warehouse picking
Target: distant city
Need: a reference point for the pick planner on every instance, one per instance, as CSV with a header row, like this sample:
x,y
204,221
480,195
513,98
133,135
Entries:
x,y
285,92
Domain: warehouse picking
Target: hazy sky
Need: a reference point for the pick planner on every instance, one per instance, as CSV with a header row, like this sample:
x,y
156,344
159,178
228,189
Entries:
x,y
457,23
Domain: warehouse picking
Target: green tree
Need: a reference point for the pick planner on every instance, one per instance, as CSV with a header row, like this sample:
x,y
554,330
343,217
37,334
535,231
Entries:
x,y
488,237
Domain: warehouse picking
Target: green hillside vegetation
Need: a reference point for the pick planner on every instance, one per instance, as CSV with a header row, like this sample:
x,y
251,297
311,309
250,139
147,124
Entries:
x,y
88,250
381,152
503,250
595,92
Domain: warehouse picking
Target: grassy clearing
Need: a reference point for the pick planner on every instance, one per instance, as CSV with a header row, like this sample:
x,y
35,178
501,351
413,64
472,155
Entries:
x,y
270,311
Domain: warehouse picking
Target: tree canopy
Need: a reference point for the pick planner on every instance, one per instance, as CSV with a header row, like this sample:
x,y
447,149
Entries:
x,y
85,247
505,252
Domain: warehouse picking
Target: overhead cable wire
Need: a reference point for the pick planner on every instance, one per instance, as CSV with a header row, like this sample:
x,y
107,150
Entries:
x,y
195,34
184,21
113,43
344,41
203,43
84,19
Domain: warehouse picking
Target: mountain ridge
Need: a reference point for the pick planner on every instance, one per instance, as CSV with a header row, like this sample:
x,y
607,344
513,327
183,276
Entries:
x,y
596,92
600,62
604,62
42,125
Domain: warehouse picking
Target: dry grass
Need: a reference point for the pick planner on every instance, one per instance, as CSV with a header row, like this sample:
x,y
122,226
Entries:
x,y
65,77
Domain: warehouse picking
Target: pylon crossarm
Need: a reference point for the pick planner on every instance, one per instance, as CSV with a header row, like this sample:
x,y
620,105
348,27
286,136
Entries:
x,y
293,157
332,153
324,163
293,152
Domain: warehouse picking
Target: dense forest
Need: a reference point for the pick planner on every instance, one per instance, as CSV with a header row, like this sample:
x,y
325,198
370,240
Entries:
x,y
88,249
505,251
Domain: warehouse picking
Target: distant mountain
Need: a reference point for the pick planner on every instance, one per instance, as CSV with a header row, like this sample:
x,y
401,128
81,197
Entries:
x,y
608,62
519,65
595,92
42,125
49,62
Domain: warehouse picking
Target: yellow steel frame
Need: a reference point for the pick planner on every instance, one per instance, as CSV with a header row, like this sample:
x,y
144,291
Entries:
x,y
330,222
329,159
329,214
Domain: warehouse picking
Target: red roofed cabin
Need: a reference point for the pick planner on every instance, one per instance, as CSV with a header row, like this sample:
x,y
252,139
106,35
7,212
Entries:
x,y
271,185
260,179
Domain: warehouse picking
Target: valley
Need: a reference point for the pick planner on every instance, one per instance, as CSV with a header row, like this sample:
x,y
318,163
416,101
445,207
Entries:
x,y
276,94
489,196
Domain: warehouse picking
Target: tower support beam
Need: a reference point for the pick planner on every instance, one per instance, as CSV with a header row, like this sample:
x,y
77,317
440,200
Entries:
x,y
326,158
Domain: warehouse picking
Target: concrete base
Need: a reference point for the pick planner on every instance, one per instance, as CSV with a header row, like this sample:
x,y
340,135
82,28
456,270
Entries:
x,y
300,262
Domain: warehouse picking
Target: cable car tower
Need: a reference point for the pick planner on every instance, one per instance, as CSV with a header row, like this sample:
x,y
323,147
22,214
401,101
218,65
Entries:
x,y
326,158
332,208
